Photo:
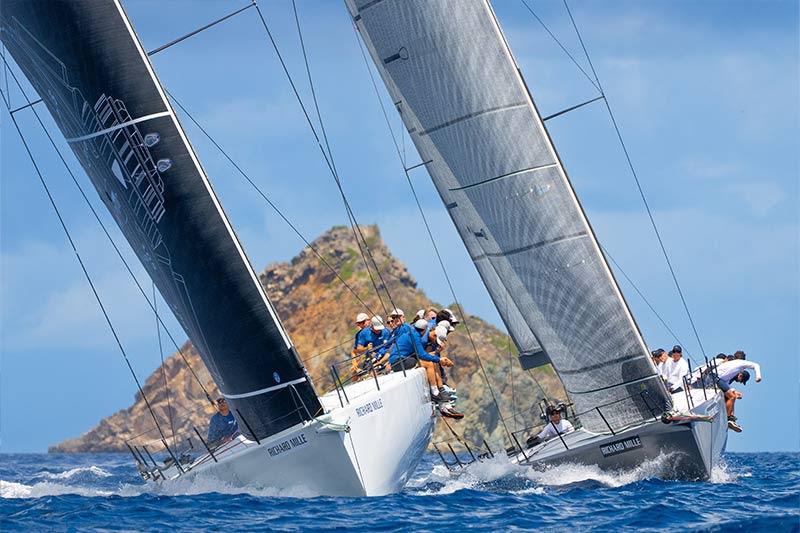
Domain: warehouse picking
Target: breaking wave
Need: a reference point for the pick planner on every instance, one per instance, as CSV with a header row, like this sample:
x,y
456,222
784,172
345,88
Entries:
x,y
79,472
497,475
751,491
10,489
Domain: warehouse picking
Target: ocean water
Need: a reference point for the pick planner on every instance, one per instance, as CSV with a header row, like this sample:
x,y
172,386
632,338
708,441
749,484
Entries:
x,y
752,492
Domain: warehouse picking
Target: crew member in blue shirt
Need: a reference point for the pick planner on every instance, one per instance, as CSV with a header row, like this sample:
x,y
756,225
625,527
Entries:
x,y
373,343
408,347
362,323
222,426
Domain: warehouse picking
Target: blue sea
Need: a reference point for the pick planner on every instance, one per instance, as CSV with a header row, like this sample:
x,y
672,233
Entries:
x,y
757,491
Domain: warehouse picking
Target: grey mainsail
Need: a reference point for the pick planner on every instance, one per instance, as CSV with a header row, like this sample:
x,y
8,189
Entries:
x,y
86,63
466,107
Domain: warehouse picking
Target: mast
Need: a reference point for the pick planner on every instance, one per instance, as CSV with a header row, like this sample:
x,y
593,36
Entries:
x,y
87,64
465,105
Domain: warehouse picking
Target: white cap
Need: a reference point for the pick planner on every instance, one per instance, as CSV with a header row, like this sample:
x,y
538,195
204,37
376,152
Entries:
x,y
446,325
361,317
453,318
420,314
441,334
397,312
421,324
377,323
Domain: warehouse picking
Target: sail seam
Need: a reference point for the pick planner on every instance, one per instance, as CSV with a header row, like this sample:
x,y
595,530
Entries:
x,y
632,382
471,116
508,175
369,5
265,390
628,357
118,127
532,246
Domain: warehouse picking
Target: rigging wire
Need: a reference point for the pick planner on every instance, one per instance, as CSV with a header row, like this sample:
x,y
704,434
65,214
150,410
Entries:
x,y
82,265
636,179
511,376
575,61
641,295
107,234
351,216
267,199
348,340
163,366
436,248
5,71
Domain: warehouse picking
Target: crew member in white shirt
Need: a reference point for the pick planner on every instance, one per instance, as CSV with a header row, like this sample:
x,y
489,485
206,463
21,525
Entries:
x,y
735,371
730,369
553,429
660,360
675,368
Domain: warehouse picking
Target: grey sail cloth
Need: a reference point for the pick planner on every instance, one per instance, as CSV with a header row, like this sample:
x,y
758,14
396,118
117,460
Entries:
x,y
87,65
458,90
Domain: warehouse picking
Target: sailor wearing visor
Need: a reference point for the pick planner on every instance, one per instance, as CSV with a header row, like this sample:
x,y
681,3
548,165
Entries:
x,y
555,427
222,427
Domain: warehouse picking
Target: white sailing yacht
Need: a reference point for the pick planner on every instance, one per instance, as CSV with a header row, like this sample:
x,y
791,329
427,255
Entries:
x,y
88,66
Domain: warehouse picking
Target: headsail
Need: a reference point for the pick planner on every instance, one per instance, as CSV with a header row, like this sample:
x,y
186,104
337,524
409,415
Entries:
x,y
458,89
88,66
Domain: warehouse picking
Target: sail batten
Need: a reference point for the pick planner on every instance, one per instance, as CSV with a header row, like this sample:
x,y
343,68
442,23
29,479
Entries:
x,y
91,71
469,113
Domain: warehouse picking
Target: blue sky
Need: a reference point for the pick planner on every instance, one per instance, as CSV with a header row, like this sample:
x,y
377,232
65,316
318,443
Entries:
x,y
706,94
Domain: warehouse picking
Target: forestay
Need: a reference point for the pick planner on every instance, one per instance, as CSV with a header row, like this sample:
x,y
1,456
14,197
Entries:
x,y
88,66
460,94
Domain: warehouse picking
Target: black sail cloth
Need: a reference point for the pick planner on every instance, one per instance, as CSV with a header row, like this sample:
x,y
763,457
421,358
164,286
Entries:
x,y
448,69
87,65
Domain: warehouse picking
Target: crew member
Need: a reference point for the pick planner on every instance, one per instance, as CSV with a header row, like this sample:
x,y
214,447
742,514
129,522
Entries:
x,y
555,427
222,426
362,323
408,347
676,368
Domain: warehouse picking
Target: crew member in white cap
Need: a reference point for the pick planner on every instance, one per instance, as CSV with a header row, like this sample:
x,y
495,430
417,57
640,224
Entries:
x,y
372,342
372,337
436,343
362,321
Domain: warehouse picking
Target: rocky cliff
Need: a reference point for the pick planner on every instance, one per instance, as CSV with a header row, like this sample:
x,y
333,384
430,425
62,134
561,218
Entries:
x,y
318,310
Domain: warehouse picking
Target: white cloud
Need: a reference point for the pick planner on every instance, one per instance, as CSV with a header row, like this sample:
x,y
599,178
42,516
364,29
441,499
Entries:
x,y
760,197
707,168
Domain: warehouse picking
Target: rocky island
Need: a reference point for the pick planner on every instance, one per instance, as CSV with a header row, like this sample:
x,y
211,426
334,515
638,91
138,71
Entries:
x,y
318,310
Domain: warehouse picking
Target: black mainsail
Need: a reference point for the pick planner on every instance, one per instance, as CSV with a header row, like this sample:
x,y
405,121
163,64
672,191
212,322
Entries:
x,y
449,70
88,66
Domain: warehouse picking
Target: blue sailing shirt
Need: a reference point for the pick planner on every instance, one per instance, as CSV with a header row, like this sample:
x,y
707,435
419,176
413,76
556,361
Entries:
x,y
423,335
221,427
364,337
378,339
408,343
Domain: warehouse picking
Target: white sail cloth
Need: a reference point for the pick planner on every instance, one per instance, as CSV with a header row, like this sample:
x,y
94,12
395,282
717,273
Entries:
x,y
458,90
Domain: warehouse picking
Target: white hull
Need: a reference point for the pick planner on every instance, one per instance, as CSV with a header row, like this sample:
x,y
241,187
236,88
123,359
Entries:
x,y
390,430
691,448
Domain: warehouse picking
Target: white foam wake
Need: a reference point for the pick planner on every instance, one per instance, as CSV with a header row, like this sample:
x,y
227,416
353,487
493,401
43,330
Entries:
x,y
722,474
81,471
10,489
499,473
58,484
